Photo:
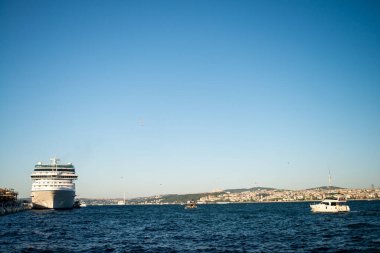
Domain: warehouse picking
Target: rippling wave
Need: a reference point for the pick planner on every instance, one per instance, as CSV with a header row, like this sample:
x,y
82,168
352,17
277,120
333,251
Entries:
x,y
265,227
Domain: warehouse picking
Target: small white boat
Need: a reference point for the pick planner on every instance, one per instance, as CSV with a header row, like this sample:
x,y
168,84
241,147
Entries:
x,y
121,202
331,205
191,204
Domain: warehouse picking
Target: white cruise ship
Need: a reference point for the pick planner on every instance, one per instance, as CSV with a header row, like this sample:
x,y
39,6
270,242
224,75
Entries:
x,y
53,185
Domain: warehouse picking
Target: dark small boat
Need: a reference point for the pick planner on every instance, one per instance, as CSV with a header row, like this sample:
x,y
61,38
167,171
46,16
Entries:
x,y
76,204
191,205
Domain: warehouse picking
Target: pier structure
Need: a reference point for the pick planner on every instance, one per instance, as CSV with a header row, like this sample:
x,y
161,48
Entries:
x,y
9,203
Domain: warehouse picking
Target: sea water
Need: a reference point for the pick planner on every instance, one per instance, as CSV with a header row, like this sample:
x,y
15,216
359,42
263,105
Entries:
x,y
261,227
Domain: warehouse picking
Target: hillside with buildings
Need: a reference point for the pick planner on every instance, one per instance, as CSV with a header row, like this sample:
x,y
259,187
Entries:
x,y
250,195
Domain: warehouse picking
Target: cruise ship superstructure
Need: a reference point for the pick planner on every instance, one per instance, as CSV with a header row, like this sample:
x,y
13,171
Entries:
x,y
53,185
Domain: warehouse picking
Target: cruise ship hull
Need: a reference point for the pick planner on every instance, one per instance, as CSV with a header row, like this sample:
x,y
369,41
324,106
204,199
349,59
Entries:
x,y
56,199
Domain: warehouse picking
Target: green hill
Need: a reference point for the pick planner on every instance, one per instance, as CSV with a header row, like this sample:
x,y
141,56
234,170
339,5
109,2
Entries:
x,y
249,189
326,188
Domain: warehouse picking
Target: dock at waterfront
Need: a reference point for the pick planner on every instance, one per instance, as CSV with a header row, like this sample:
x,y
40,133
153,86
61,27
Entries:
x,y
9,203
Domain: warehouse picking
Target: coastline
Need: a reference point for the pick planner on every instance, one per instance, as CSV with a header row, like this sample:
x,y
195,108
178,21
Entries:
x,y
221,203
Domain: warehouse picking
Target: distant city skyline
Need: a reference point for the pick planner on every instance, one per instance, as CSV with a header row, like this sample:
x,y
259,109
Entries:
x,y
158,97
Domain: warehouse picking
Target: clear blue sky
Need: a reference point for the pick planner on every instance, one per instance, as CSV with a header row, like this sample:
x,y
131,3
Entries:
x,y
153,97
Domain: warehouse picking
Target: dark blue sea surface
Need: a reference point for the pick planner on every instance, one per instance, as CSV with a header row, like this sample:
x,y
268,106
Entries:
x,y
264,227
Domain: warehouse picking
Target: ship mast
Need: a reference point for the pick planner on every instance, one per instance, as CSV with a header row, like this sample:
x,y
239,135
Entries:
x,y
54,161
329,180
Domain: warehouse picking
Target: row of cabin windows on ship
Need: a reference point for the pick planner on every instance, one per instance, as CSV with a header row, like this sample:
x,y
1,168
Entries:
x,y
68,177
59,182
